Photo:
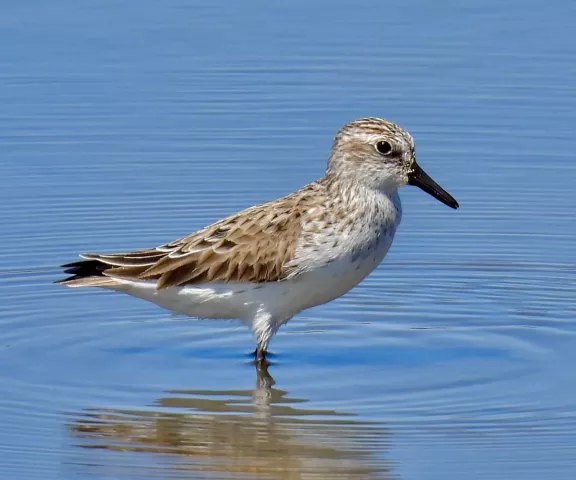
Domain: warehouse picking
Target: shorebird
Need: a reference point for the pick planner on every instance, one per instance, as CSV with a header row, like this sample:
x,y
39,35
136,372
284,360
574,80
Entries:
x,y
268,262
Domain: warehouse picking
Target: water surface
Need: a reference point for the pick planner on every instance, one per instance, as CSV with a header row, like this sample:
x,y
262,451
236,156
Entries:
x,y
124,126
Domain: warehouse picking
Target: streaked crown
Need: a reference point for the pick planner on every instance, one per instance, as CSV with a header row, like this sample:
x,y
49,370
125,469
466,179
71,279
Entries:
x,y
372,127
373,151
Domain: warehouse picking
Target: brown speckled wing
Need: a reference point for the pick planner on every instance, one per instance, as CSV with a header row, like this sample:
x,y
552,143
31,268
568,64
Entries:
x,y
254,245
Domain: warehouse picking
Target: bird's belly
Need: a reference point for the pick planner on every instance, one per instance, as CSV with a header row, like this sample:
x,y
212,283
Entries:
x,y
281,299
336,278
210,300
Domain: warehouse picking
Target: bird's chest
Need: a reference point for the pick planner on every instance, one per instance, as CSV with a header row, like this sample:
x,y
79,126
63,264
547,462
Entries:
x,y
334,257
356,260
342,270
355,239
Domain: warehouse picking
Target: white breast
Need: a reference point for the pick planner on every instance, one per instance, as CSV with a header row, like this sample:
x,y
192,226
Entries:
x,y
338,276
323,270
332,261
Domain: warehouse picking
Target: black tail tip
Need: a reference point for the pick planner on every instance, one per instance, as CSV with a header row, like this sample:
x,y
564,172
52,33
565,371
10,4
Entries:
x,y
83,269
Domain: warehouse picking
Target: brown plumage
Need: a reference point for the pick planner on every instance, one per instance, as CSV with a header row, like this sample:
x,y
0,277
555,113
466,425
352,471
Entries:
x,y
254,245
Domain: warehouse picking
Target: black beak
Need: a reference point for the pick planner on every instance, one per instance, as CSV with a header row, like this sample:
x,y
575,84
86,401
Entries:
x,y
420,178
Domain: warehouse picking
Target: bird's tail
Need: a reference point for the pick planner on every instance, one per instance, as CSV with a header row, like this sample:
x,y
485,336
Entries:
x,y
86,273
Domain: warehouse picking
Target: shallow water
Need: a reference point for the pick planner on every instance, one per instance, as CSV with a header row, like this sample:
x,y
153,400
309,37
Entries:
x,y
126,126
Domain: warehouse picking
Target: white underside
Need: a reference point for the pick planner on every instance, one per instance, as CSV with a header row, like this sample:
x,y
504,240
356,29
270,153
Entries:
x,y
263,306
329,261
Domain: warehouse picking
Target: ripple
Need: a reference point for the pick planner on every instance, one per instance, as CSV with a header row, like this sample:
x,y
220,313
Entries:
x,y
452,360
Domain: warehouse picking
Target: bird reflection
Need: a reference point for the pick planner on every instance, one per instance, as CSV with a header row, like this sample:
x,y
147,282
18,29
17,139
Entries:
x,y
259,433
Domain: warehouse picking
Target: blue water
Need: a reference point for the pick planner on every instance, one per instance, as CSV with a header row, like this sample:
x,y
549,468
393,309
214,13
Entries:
x,y
127,124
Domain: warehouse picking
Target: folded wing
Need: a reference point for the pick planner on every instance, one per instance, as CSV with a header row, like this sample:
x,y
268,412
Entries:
x,y
254,246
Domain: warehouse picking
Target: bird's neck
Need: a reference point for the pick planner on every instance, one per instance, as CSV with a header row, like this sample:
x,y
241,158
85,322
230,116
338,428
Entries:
x,y
350,187
364,199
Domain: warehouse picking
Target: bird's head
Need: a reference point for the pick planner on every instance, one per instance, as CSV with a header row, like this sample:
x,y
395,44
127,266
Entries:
x,y
380,154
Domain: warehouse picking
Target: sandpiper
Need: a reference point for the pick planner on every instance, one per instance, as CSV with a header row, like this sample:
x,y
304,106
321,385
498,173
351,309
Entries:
x,y
268,262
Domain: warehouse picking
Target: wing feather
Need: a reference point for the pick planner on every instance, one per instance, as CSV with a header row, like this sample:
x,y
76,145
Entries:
x,y
255,245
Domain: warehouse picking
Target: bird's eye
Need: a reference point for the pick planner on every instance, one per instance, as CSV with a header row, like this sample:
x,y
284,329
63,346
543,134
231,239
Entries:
x,y
384,148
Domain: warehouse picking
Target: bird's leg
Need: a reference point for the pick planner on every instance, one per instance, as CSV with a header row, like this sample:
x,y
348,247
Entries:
x,y
261,361
260,354
264,326
265,353
262,332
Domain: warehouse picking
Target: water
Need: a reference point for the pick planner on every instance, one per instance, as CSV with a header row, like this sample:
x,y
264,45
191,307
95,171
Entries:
x,y
125,126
